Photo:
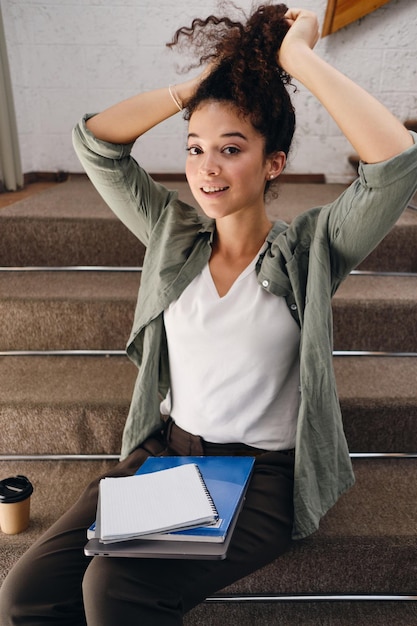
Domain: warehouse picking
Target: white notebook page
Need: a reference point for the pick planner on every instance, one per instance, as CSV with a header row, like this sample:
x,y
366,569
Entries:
x,y
168,499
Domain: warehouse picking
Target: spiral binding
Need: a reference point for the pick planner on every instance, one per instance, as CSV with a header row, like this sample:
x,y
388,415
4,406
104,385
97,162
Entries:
x,y
208,494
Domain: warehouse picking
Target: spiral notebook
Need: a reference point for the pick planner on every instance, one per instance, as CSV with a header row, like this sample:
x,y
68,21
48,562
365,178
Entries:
x,y
171,499
226,479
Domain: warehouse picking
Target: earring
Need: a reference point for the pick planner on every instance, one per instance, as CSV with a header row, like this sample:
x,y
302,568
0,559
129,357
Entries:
x,y
271,176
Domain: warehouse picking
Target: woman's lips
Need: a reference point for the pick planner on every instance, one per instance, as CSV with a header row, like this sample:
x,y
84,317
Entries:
x,y
209,189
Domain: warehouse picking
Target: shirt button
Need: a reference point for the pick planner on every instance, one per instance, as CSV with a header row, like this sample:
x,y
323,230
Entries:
x,y
293,307
265,283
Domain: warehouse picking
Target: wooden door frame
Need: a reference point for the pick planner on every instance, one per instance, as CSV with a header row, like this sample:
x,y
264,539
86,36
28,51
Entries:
x,y
340,13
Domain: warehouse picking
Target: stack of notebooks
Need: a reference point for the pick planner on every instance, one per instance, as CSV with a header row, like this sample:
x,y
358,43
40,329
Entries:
x,y
173,507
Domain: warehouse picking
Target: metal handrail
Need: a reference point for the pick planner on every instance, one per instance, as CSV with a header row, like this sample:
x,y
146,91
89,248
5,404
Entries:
x,y
310,598
116,457
110,353
139,268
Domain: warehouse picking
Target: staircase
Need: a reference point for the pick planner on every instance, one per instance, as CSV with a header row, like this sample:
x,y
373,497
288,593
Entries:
x,y
69,273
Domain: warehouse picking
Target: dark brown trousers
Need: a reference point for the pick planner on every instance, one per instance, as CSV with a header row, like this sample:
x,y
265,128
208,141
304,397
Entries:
x,y
55,583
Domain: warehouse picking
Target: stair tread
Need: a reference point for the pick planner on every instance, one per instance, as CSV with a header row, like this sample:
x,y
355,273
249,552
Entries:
x,y
69,285
66,380
376,378
376,313
67,310
76,198
383,288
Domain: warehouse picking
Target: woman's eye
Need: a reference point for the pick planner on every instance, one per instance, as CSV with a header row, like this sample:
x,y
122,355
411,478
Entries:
x,y
231,150
194,150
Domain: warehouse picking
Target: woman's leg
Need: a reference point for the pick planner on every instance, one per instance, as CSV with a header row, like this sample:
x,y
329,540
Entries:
x,y
45,585
158,592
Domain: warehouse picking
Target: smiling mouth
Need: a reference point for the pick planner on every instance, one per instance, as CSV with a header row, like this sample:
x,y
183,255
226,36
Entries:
x,y
209,190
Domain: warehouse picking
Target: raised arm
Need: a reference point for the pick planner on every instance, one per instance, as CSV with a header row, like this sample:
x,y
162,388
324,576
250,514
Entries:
x,y
373,131
124,122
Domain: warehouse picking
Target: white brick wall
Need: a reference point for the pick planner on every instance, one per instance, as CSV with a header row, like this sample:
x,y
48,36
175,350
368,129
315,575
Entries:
x,y
71,56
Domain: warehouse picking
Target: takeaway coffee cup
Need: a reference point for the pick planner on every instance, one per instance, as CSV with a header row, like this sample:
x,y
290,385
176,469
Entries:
x,y
15,495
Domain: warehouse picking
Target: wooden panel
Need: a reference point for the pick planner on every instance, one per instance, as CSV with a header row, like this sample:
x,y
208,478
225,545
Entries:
x,y
340,13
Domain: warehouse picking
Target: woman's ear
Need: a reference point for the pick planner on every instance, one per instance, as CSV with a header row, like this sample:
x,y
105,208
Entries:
x,y
276,164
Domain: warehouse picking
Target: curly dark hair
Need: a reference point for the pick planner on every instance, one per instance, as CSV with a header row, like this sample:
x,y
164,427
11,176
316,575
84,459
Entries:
x,y
245,70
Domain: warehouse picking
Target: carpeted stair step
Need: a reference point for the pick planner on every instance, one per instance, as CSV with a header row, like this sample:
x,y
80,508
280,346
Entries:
x,y
78,404
66,310
66,225
302,613
57,485
396,253
378,398
64,405
366,544
91,310
71,225
376,313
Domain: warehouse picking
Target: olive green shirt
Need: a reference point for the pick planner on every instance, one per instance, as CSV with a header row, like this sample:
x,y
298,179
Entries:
x,y
305,262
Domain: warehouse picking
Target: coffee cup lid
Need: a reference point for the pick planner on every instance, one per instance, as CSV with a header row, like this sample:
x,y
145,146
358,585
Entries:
x,y
15,489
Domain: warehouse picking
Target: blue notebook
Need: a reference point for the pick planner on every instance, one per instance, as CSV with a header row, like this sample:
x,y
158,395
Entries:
x,y
226,479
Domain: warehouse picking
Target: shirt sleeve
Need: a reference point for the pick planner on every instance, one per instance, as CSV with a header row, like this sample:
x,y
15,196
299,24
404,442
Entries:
x,y
127,189
361,217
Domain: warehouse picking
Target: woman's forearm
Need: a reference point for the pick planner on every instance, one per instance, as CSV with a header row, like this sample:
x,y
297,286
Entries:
x,y
372,130
125,121
370,127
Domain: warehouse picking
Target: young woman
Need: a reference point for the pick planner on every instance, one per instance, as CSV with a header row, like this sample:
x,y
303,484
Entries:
x,y
233,324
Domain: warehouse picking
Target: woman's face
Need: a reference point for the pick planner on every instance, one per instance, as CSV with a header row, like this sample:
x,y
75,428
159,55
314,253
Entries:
x,y
226,167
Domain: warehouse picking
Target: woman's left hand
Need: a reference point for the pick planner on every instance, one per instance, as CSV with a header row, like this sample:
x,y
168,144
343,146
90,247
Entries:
x,y
375,134
303,31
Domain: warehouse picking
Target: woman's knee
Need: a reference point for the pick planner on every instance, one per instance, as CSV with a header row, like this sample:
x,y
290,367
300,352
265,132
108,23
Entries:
x,y
104,589
124,591
17,599
32,594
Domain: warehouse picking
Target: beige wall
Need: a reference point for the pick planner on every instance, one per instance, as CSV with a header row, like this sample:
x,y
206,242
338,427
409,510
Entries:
x,y
69,56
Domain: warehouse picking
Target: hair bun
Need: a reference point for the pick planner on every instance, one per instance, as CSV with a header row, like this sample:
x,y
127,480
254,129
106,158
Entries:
x,y
245,70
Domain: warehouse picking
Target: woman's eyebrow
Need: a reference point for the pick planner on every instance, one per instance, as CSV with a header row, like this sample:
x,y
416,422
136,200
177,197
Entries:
x,y
231,134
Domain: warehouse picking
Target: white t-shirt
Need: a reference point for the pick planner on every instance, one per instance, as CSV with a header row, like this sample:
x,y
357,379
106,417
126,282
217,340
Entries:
x,y
234,363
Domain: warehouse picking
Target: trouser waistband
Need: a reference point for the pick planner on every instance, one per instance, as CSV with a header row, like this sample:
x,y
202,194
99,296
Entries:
x,y
186,444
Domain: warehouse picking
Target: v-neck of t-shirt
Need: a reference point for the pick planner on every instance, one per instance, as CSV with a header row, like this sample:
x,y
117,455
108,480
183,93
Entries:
x,y
243,274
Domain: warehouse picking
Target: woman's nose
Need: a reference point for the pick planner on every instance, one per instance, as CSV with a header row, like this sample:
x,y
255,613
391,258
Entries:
x,y
209,165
